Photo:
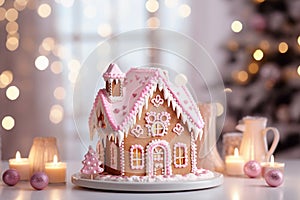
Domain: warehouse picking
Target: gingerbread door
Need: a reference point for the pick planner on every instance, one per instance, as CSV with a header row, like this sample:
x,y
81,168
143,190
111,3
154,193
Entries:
x,y
158,161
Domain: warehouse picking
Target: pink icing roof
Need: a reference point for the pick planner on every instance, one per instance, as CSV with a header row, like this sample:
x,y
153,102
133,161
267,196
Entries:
x,y
139,85
113,72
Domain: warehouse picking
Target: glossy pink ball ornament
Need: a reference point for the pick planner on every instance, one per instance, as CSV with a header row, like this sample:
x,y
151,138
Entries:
x,y
274,177
11,177
39,180
252,169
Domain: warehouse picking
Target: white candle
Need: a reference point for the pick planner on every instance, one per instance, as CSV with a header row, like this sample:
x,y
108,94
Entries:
x,y
22,165
234,164
56,171
271,165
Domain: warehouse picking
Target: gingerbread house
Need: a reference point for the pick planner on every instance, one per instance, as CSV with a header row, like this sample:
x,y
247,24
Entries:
x,y
146,125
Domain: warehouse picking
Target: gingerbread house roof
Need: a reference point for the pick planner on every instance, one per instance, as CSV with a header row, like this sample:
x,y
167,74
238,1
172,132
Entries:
x,y
113,72
139,85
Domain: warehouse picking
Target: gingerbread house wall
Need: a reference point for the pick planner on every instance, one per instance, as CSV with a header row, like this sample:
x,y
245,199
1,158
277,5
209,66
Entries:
x,y
112,162
144,139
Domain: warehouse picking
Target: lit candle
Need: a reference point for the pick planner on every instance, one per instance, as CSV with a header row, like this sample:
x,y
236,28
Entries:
x,y
234,164
266,166
56,171
22,165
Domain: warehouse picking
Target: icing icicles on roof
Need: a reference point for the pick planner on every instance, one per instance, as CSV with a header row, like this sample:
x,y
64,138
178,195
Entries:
x,y
138,87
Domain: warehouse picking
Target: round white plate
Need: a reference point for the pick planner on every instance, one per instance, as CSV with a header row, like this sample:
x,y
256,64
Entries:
x,y
216,180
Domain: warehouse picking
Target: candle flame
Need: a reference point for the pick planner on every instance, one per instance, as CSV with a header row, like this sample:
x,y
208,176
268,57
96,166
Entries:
x,y
55,159
272,160
236,152
18,156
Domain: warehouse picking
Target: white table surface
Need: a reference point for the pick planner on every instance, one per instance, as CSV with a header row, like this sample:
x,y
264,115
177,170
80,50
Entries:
x,y
233,188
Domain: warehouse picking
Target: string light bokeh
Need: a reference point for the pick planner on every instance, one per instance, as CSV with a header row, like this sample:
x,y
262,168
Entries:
x,y
45,43
262,68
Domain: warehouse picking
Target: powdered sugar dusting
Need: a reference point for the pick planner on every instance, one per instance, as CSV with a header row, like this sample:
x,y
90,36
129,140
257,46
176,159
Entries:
x,y
201,174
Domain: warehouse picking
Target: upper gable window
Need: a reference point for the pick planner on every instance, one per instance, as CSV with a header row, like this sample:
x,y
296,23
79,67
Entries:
x,y
157,123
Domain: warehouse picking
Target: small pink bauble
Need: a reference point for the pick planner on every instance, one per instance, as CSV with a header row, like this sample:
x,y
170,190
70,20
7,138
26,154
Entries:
x,y
11,177
39,180
252,169
274,177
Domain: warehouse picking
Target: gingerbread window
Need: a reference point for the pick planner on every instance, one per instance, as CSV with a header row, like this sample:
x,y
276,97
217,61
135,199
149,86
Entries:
x,y
136,157
180,155
158,129
157,123
113,156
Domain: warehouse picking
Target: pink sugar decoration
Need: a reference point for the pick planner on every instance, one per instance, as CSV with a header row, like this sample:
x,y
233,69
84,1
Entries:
x,y
134,97
113,71
91,164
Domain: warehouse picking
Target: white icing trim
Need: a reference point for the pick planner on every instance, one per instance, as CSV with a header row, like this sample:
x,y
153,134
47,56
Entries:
x,y
156,82
122,159
137,131
178,129
157,101
193,154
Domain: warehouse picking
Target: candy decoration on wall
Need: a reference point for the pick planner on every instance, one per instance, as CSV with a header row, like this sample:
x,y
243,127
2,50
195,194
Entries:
x,y
11,177
91,164
157,101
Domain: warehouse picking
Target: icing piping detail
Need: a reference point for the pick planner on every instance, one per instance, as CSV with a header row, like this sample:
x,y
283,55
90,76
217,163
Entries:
x,y
178,129
156,78
157,123
157,101
122,159
193,154
137,131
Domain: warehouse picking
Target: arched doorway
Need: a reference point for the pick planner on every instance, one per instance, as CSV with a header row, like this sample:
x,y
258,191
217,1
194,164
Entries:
x,y
158,158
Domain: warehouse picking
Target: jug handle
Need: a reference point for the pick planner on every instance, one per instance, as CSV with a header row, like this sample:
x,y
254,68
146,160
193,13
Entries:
x,y
274,143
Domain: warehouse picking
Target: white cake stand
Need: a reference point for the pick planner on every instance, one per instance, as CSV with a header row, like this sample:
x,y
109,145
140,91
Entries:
x,y
172,186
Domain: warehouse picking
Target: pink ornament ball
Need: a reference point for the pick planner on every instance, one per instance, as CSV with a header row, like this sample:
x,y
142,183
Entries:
x,y
39,180
274,177
11,177
252,169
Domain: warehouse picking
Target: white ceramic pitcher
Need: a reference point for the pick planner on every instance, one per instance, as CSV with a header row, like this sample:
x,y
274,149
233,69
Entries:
x,y
254,143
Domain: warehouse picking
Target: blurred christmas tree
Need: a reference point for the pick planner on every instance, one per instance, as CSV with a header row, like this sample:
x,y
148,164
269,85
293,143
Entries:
x,y
263,65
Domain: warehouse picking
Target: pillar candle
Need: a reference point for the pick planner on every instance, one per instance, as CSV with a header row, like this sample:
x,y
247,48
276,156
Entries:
x,y
266,166
22,165
56,171
234,164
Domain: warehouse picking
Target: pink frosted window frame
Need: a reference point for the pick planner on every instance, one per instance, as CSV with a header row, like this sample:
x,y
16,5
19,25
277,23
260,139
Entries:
x,y
141,158
184,147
